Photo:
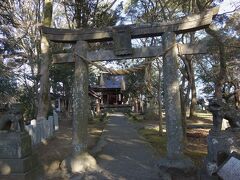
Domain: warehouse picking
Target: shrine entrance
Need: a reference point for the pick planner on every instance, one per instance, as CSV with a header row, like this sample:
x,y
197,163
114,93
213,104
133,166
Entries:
x,y
121,36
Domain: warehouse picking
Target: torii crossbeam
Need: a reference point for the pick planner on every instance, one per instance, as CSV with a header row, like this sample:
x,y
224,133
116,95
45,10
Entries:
x,y
188,24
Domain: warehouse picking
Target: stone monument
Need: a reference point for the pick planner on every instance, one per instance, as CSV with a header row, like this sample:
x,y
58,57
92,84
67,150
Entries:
x,y
17,160
221,143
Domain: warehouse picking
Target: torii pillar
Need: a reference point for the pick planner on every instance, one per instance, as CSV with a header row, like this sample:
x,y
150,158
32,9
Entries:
x,y
80,160
175,157
80,99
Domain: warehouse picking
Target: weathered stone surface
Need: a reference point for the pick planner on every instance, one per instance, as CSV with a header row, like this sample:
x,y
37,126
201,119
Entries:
x,y
12,119
51,126
181,168
144,52
175,162
42,129
32,132
81,104
8,166
220,142
172,97
30,175
182,163
16,158
56,121
122,40
223,141
14,145
79,163
39,129
187,24
48,128
230,169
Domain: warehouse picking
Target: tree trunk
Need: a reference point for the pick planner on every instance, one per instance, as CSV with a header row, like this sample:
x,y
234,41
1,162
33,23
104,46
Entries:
x,y
160,98
81,13
183,108
150,100
222,56
188,60
193,87
44,94
223,66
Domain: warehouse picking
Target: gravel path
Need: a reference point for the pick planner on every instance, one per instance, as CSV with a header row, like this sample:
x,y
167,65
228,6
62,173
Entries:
x,y
125,154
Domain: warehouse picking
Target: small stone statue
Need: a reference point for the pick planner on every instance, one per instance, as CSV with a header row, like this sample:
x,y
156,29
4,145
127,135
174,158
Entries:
x,y
12,120
221,110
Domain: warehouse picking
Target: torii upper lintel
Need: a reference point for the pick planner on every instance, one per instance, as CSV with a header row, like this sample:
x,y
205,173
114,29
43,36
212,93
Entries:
x,y
187,24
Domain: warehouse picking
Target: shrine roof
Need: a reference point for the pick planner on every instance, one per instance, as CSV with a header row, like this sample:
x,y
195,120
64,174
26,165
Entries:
x,y
110,82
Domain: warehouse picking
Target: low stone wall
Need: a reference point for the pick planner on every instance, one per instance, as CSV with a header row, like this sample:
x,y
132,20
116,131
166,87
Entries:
x,y
43,129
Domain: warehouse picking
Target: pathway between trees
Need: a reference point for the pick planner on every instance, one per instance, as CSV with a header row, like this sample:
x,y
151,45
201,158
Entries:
x,y
125,154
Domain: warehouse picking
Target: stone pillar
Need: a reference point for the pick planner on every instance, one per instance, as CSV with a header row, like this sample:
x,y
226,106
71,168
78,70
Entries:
x,y
80,160
80,100
172,97
17,160
175,165
56,123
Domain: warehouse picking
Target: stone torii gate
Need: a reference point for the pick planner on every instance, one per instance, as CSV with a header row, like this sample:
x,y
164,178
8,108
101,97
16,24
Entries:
x,y
121,36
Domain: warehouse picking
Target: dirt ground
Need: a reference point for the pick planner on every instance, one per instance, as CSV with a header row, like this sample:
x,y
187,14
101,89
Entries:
x,y
52,152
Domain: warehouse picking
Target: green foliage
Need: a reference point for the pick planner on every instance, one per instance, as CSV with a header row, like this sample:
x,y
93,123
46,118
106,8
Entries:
x,y
135,84
94,13
27,98
8,84
47,13
61,78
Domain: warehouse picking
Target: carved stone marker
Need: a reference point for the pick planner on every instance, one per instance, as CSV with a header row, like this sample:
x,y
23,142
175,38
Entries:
x,y
122,40
17,161
230,169
12,119
219,141
225,141
16,158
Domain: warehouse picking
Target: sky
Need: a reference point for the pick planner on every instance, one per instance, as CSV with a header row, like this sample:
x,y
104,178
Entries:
x,y
228,5
225,6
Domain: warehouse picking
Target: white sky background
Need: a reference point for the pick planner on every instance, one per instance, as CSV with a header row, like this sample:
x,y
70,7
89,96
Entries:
x,y
228,5
225,6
